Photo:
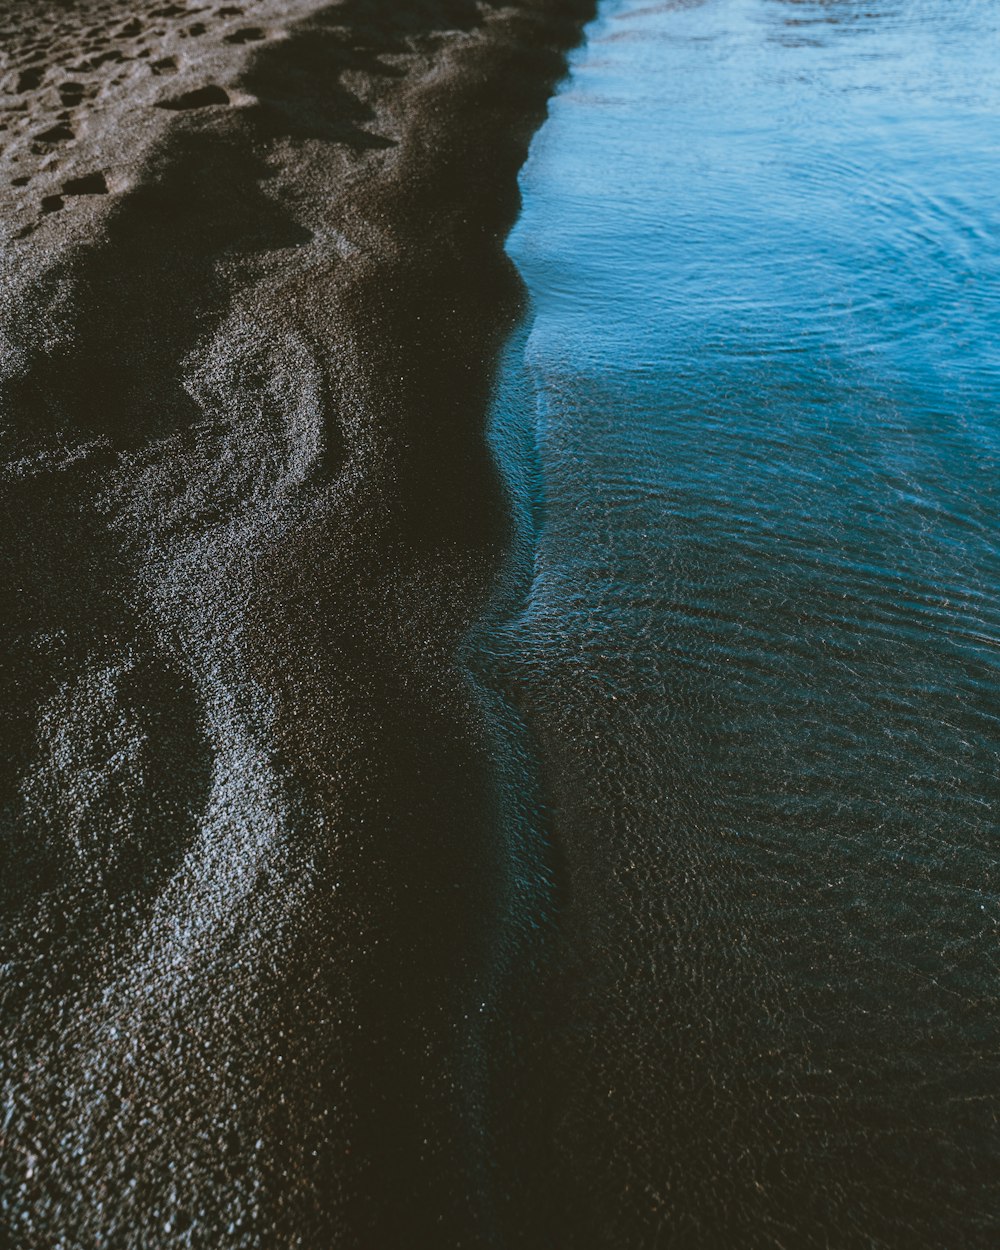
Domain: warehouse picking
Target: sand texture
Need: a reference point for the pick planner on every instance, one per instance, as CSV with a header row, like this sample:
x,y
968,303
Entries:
x,y
255,920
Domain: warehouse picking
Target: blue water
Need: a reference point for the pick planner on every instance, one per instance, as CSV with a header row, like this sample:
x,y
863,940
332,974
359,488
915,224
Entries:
x,y
752,430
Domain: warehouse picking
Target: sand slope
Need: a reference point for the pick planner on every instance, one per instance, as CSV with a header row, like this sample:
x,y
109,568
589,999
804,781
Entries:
x,y
253,290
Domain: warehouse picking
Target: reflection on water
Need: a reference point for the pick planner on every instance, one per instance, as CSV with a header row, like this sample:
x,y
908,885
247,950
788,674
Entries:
x,y
759,654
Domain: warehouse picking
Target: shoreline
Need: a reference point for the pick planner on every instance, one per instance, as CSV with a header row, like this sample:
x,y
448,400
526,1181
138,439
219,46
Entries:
x,y
252,517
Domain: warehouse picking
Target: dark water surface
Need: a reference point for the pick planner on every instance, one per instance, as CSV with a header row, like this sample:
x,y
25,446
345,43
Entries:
x,y
753,629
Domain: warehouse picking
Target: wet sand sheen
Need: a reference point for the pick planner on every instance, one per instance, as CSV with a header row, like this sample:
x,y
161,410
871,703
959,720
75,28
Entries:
x,y
257,898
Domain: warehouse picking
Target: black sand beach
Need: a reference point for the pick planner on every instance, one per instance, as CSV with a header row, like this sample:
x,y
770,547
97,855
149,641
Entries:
x,y
500,647
253,295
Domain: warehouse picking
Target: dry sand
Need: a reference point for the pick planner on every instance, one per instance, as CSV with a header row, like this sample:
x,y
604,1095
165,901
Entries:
x,y
256,920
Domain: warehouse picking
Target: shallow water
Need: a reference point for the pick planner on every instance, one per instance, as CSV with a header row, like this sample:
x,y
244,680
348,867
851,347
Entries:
x,y
753,626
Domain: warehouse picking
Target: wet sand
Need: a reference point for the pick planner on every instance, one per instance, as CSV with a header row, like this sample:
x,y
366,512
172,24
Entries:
x,y
258,915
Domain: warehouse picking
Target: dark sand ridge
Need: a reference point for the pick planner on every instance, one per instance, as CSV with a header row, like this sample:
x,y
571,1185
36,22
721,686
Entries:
x,y
253,297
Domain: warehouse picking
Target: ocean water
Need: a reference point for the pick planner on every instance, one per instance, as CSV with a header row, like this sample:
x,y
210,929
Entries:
x,y
750,633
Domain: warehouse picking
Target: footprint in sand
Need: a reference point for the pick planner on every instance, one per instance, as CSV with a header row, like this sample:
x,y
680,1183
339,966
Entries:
x,y
88,184
29,79
248,34
200,98
56,134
